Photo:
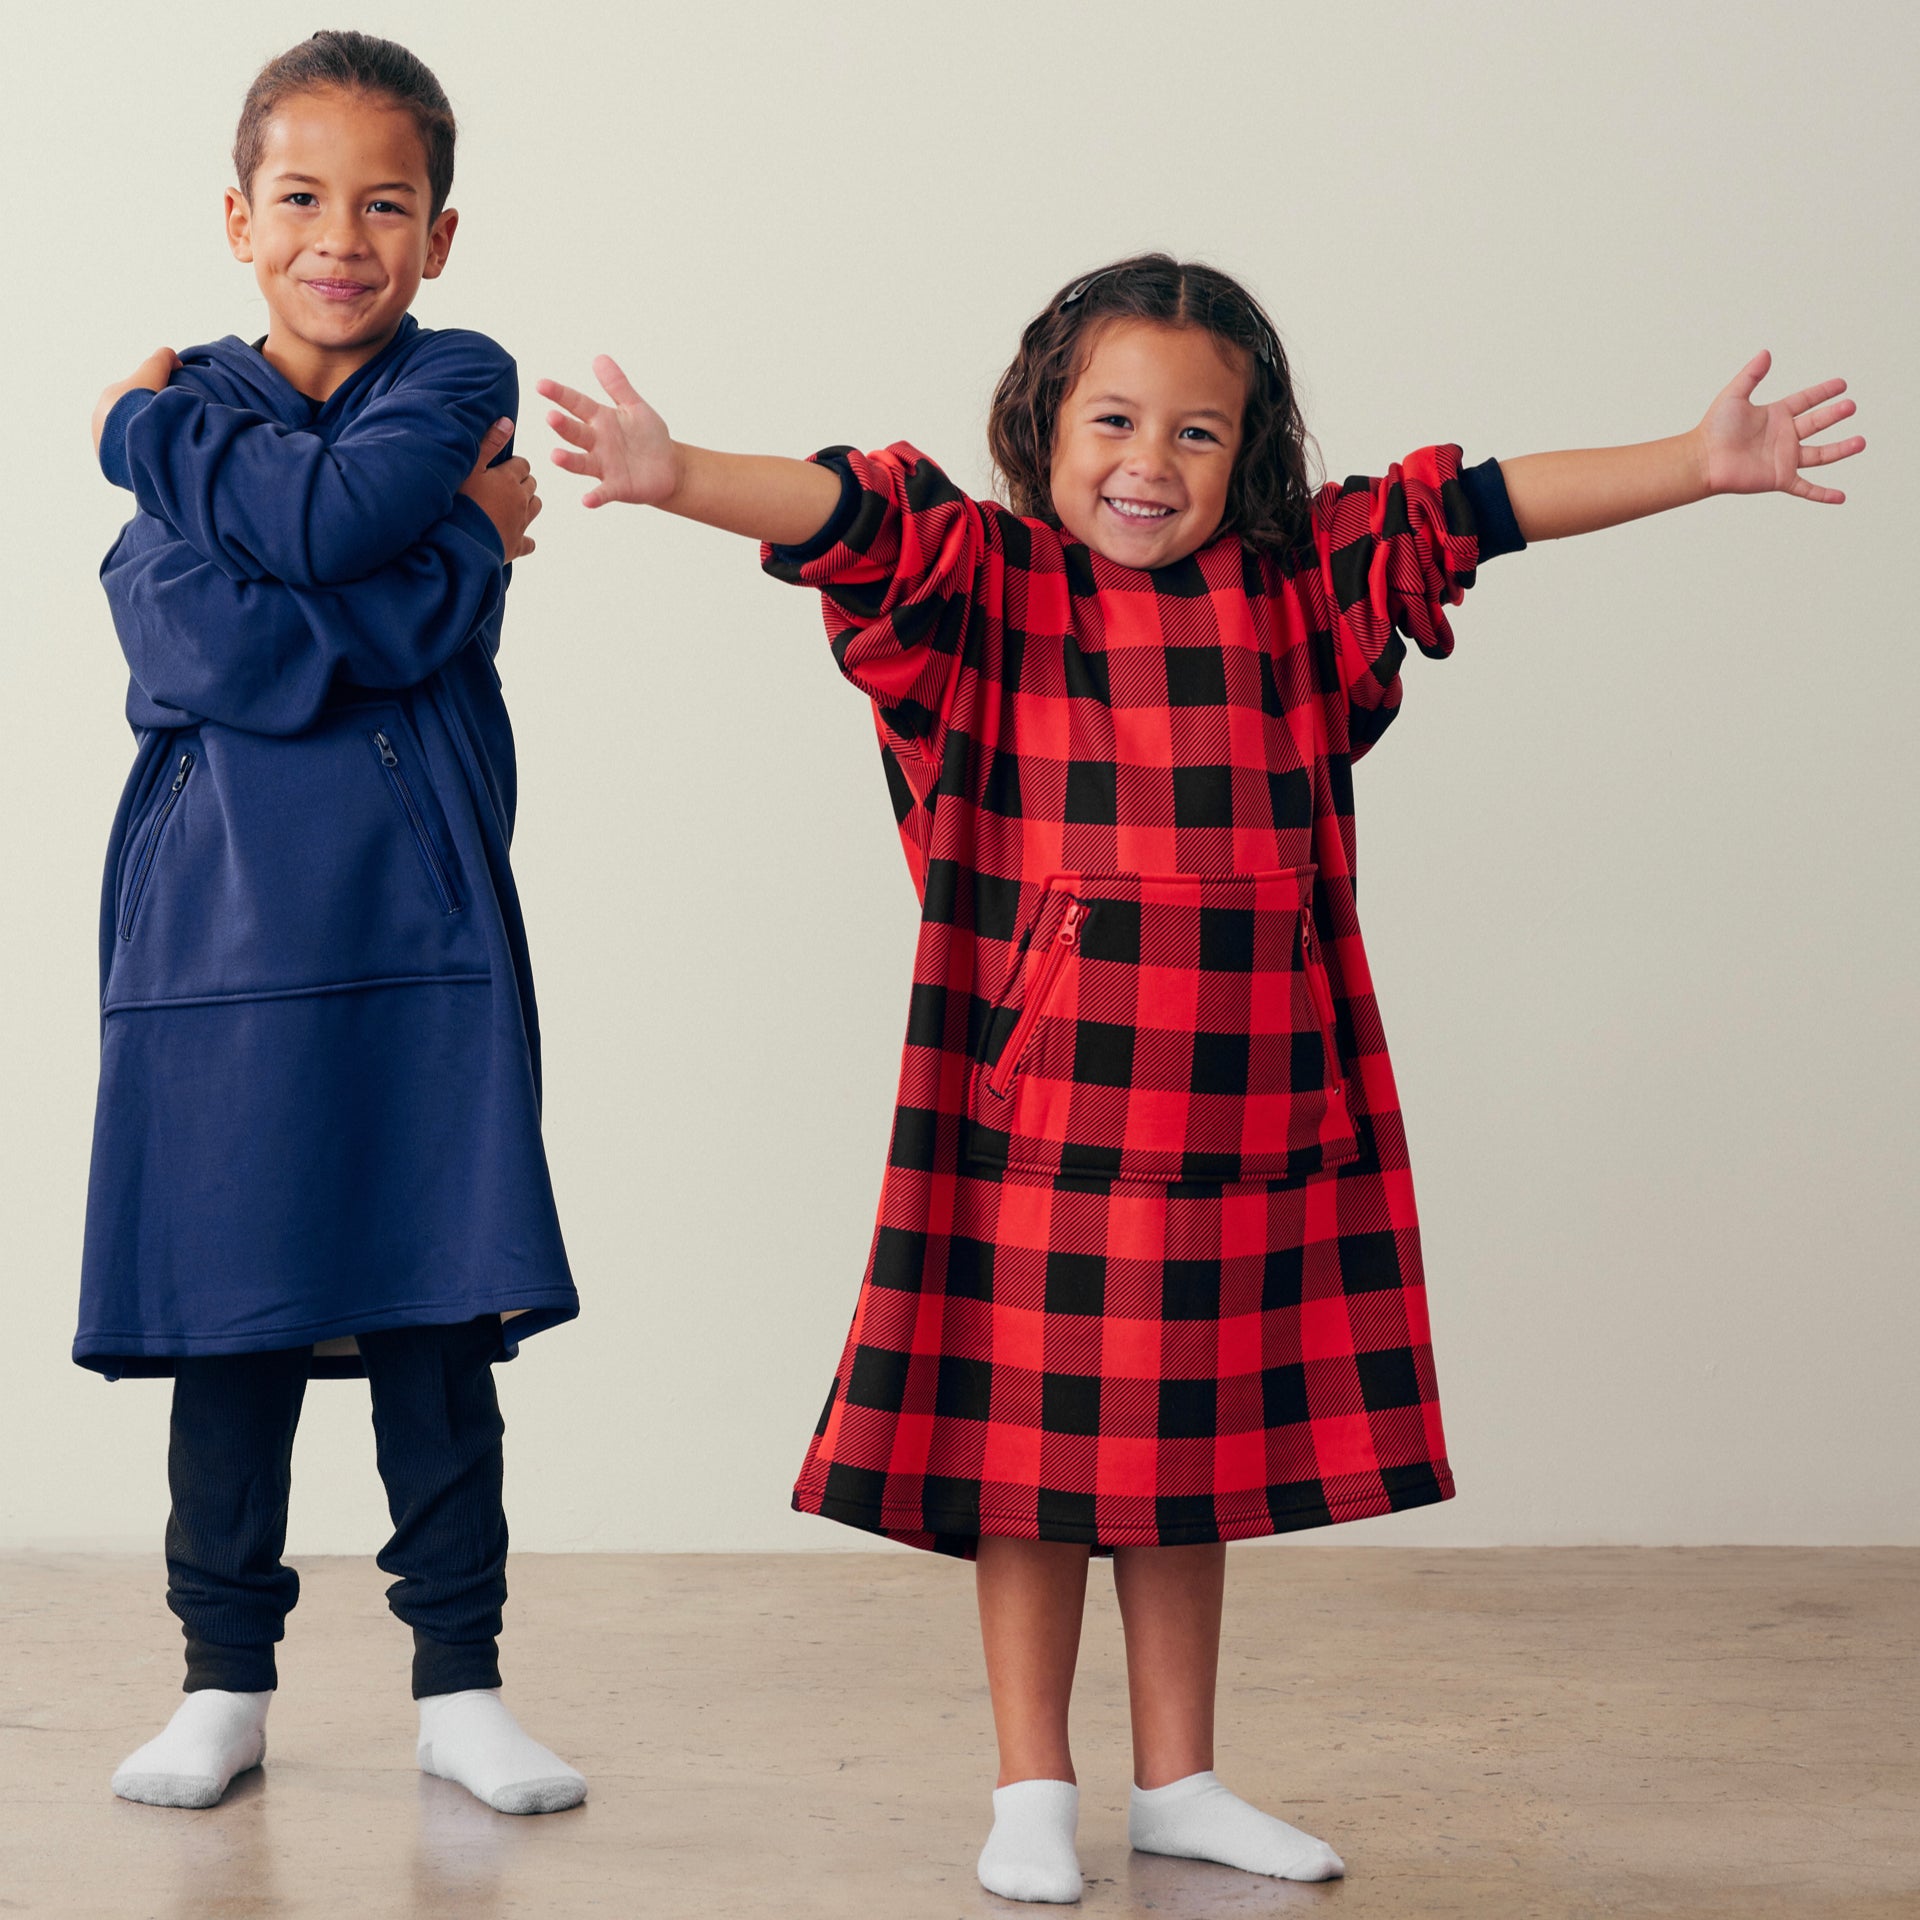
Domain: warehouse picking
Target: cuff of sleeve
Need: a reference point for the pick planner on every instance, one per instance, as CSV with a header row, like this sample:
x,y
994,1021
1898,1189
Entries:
x,y
467,514
837,522
1495,528
113,436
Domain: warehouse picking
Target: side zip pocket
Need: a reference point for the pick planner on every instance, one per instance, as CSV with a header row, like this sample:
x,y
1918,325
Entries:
x,y
150,845
429,856
1322,1000
1058,948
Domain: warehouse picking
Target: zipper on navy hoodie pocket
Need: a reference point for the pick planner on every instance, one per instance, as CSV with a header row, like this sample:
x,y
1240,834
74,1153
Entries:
x,y
150,845
429,858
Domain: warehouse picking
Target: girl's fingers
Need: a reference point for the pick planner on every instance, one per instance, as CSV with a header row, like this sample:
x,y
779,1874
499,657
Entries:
x,y
1821,496
568,428
1750,376
606,369
1833,450
1812,396
594,499
573,462
1806,425
570,397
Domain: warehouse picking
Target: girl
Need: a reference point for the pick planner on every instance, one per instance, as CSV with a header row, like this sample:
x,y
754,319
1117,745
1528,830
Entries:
x,y
1147,1275
317,1148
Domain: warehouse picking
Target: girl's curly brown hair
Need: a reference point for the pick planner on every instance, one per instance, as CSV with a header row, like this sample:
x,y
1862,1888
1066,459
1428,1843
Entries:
x,y
1269,499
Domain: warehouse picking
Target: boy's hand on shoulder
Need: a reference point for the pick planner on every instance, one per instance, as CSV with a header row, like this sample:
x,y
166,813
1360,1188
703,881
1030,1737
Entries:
x,y
1749,448
626,447
506,494
153,373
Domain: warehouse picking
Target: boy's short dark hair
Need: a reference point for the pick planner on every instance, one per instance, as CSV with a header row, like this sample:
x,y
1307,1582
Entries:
x,y
354,63
1270,498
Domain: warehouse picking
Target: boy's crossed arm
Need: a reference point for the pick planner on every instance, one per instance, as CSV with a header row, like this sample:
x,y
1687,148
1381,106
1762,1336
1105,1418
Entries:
x,y
178,608
263,656
270,502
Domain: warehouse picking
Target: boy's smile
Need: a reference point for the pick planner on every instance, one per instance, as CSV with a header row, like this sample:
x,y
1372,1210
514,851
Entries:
x,y
337,226
1146,440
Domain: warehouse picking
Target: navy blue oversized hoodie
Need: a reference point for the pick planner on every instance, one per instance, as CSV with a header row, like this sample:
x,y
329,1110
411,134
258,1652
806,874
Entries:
x,y
319,1106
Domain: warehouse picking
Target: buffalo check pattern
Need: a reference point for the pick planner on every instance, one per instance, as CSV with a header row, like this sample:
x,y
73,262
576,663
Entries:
x,y
1165,1027
1147,1267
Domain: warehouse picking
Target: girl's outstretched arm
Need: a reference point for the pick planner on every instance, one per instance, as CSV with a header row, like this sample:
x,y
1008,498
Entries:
x,y
1738,447
628,452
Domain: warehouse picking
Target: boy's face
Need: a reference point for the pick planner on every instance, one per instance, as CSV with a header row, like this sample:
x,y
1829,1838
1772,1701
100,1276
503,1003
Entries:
x,y
336,226
1146,440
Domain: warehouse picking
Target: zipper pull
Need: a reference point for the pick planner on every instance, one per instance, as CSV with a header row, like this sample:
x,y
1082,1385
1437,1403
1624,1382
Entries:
x,y
186,767
388,758
1069,934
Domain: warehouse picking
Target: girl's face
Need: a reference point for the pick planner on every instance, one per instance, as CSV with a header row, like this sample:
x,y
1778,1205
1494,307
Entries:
x,y
336,225
1145,443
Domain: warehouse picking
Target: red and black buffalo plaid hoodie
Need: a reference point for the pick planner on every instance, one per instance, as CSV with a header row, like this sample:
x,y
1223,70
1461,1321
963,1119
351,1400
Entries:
x,y
1147,1269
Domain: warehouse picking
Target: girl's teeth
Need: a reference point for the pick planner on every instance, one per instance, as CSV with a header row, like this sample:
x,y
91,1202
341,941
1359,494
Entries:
x,y
1132,512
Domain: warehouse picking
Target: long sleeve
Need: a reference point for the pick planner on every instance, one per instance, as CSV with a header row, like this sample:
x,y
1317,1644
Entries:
x,y
896,567
1395,552
263,500
262,655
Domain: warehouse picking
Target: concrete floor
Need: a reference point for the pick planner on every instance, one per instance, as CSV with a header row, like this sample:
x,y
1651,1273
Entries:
x,y
1554,1733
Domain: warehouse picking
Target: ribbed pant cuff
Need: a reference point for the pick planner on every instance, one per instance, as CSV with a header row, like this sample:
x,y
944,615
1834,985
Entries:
x,y
441,1666
232,1669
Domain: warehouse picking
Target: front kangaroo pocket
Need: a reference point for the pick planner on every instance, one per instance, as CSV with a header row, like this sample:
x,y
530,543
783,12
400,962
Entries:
x,y
1166,1027
296,863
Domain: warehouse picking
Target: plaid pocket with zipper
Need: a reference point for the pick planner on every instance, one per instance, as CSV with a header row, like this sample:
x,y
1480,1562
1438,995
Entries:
x,y
1164,1028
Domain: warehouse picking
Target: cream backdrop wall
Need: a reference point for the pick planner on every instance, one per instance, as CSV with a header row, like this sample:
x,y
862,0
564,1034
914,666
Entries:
x,y
1638,865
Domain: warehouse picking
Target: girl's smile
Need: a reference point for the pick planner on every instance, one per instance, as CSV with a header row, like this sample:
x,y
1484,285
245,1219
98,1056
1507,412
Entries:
x,y
1147,436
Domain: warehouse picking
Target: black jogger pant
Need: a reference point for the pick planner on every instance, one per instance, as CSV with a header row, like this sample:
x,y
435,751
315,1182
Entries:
x,y
437,1434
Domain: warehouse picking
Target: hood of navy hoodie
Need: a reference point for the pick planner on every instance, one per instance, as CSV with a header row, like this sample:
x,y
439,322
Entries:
x,y
238,374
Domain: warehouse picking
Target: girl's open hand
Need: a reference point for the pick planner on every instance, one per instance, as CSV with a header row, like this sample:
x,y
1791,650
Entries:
x,y
1761,449
626,447
153,373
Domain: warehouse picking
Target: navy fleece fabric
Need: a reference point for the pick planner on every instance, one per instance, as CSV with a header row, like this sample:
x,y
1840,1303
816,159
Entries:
x,y
319,1106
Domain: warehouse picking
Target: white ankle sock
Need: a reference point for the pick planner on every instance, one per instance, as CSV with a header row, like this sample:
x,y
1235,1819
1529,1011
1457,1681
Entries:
x,y
214,1736
471,1738
1198,1819
1029,1854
